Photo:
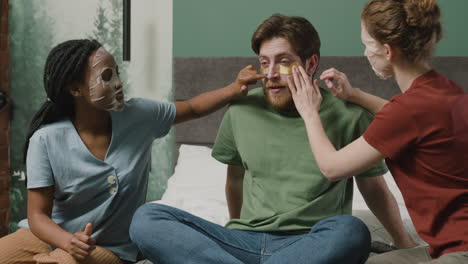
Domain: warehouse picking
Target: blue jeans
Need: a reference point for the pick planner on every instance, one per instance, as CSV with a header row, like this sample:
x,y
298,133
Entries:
x,y
168,235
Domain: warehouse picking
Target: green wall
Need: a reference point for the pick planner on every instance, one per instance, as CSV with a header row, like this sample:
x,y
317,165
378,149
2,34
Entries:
x,y
211,28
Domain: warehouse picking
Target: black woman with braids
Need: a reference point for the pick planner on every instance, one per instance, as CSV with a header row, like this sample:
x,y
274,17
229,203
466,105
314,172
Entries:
x,y
87,158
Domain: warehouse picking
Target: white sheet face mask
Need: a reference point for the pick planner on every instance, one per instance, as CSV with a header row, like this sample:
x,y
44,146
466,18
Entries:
x,y
105,87
375,55
380,67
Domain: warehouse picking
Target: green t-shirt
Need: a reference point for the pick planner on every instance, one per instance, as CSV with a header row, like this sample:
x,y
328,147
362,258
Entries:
x,y
283,187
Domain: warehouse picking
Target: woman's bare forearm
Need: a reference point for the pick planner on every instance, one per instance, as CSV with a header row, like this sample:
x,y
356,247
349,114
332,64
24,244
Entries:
x,y
370,102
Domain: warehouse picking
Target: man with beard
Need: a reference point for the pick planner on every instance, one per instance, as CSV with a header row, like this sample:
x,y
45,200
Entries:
x,y
282,209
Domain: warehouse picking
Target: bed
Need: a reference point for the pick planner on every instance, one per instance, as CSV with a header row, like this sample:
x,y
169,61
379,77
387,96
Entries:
x,y
197,185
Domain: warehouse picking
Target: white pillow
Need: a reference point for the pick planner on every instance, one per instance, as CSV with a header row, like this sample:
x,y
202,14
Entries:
x,y
197,185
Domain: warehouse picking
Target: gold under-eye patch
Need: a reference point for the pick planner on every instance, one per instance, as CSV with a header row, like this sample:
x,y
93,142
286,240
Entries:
x,y
287,69
282,69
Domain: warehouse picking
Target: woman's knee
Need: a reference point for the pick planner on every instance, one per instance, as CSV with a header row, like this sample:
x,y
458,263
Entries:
x,y
8,248
20,247
103,256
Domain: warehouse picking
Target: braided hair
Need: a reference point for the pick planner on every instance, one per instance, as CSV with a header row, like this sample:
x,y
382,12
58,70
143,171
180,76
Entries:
x,y
65,64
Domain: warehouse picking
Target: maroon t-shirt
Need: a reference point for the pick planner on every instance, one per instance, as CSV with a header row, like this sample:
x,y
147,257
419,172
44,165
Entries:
x,y
423,134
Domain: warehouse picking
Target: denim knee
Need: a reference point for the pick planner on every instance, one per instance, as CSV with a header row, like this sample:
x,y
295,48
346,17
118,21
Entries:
x,y
346,231
139,220
354,232
146,217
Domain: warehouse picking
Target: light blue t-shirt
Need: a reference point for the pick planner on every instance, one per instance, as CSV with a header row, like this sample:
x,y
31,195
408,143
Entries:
x,y
88,190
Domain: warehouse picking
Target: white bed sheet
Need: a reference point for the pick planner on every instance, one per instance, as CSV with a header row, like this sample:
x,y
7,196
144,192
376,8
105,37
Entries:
x,y
197,187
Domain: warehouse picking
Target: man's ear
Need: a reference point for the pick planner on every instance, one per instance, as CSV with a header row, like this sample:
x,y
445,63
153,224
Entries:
x,y
311,64
74,89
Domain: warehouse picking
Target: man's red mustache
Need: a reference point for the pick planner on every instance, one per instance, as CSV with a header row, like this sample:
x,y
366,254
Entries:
x,y
275,84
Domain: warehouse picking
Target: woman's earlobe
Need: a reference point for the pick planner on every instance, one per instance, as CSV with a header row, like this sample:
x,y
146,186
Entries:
x,y
389,52
74,90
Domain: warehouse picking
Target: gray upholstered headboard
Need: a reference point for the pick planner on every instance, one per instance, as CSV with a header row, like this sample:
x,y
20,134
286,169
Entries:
x,y
193,76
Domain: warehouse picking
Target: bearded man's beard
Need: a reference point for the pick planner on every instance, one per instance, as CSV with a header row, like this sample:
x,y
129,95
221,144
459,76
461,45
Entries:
x,y
282,101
